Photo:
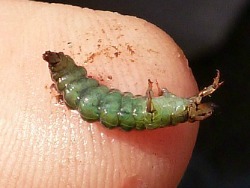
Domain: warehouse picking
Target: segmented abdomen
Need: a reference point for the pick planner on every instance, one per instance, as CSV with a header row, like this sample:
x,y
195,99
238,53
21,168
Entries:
x,y
113,108
96,102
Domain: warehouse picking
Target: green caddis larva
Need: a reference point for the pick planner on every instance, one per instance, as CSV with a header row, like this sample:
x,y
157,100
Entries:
x,y
96,102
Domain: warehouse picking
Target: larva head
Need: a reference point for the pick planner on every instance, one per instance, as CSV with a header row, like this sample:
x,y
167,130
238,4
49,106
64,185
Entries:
x,y
198,112
58,61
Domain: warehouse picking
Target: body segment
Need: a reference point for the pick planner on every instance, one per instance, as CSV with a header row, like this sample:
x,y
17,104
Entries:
x,y
114,108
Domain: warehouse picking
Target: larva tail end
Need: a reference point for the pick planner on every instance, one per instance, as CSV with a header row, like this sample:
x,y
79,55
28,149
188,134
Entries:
x,y
201,111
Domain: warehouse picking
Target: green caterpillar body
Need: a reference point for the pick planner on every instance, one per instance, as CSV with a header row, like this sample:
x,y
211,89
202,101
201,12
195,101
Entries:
x,y
112,107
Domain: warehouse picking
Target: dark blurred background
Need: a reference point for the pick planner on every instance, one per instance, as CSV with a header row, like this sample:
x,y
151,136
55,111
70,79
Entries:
x,y
214,34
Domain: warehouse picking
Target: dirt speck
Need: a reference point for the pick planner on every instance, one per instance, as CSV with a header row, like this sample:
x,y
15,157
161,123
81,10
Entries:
x,y
130,49
100,77
117,54
152,51
119,36
90,59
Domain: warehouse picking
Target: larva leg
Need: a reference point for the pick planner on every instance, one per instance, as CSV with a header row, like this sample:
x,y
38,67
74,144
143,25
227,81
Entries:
x,y
209,90
149,95
55,94
160,91
53,88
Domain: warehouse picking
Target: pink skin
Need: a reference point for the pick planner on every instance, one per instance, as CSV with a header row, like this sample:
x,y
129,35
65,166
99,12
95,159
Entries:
x,y
47,145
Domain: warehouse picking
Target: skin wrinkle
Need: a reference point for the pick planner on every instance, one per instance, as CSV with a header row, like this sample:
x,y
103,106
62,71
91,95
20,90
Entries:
x,y
143,158
10,146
